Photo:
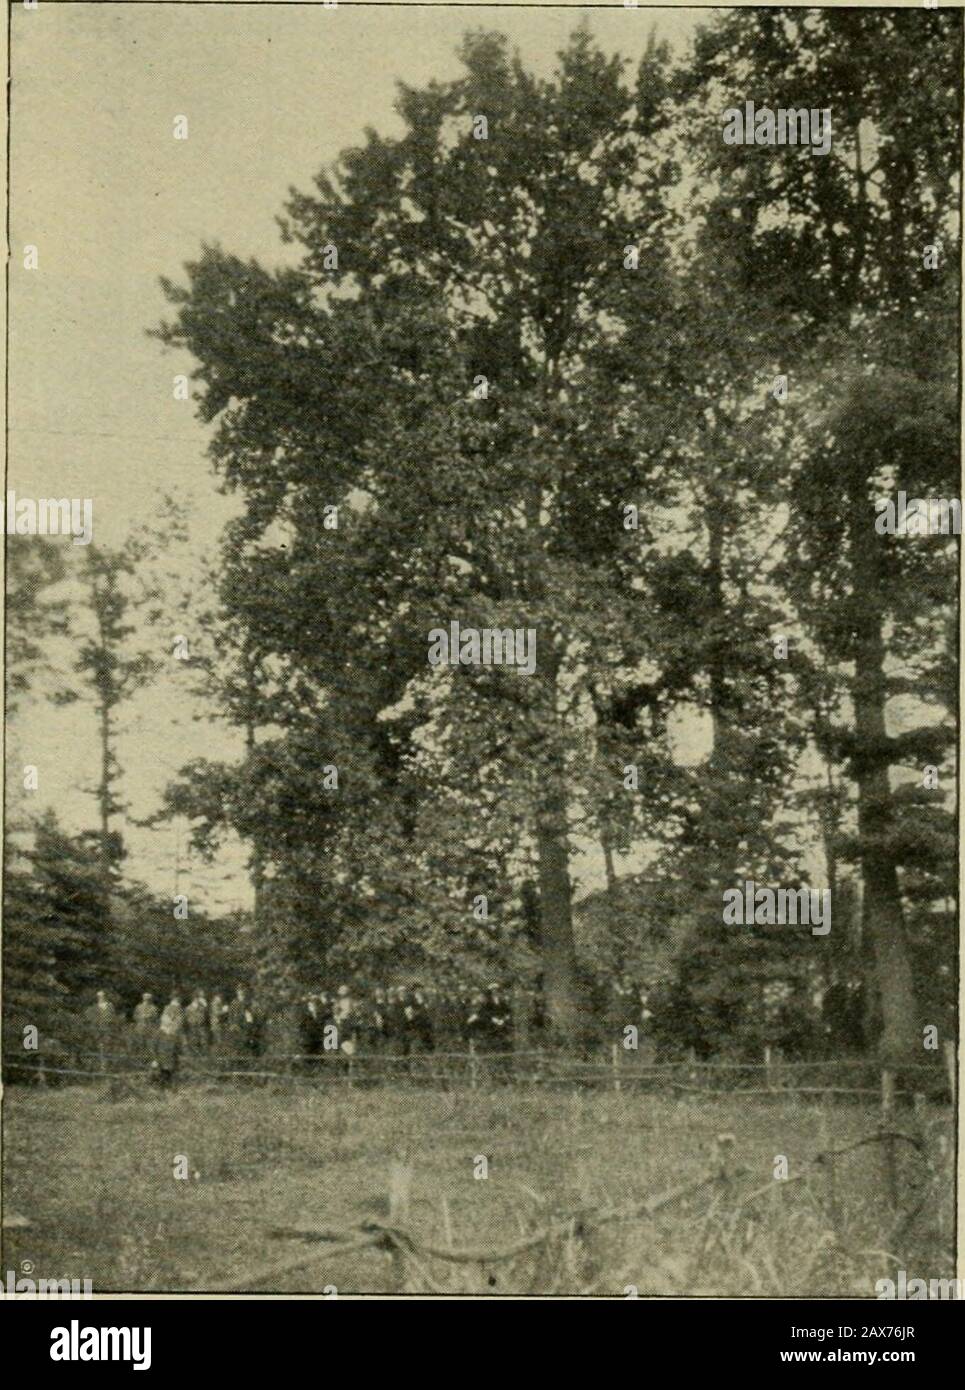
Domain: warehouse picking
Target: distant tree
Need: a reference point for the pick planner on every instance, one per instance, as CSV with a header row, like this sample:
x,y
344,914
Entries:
x,y
34,565
147,948
56,917
120,643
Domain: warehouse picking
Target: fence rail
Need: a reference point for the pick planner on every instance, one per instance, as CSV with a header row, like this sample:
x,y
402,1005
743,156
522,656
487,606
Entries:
x,y
412,1255
333,1058
534,1068
560,1242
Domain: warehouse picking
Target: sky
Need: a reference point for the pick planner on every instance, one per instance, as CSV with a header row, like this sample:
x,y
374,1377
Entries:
x,y
112,201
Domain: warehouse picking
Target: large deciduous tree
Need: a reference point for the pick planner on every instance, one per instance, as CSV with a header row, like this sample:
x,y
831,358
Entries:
x,y
433,369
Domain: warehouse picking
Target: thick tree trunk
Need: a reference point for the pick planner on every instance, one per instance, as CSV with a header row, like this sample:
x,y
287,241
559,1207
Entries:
x,y
882,919
830,829
723,847
556,921
557,949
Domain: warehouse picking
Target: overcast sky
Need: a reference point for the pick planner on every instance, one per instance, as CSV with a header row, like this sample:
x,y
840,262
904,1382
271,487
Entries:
x,y
112,201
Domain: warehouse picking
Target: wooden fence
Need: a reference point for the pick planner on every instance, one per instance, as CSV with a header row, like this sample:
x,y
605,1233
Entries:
x,y
412,1256
617,1071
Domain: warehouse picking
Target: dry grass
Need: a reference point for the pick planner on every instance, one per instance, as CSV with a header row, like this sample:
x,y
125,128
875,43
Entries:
x,y
93,1170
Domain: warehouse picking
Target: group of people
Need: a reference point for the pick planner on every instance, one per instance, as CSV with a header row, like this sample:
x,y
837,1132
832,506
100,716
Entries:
x,y
405,1021
221,1024
398,1020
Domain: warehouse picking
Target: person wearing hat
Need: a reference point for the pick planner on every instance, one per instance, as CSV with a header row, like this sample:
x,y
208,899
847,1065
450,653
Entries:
x,y
216,1020
477,1021
146,1015
242,1025
168,1047
311,1028
102,1013
499,1027
395,1019
196,1022
343,1003
419,1023
378,1021
102,1020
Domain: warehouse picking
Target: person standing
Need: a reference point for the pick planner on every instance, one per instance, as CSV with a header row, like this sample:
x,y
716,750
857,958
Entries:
x,y
101,1017
102,1012
378,1021
419,1025
310,1032
366,1026
448,1028
234,1019
477,1021
168,1049
240,1019
216,1021
146,1016
347,1024
500,1030
395,1020
196,1024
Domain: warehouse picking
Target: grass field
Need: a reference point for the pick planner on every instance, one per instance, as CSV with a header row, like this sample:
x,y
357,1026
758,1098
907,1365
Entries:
x,y
92,1169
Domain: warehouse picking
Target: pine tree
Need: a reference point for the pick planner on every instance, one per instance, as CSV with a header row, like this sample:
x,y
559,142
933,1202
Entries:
x,y
56,919
834,246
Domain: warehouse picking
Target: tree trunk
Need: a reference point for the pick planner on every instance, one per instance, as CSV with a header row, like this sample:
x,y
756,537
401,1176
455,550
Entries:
x,y
556,921
256,862
882,919
104,790
723,850
611,873
557,949
104,603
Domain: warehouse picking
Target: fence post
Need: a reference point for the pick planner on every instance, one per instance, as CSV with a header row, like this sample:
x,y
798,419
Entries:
x,y
400,1185
826,1160
887,1118
949,1050
473,1066
615,1056
887,1095
940,1209
724,1161
767,1067
833,1211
